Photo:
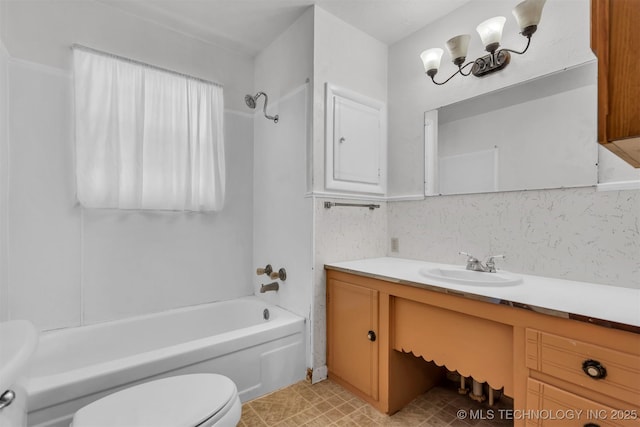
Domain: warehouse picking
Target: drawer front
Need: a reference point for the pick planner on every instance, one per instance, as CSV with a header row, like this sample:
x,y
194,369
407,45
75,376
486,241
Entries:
x,y
548,406
591,366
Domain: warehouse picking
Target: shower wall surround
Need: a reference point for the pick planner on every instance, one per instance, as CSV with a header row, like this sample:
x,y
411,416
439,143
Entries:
x,y
4,152
575,234
282,215
69,266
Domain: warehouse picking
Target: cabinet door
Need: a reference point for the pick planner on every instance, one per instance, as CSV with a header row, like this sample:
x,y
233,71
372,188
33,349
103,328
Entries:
x,y
352,350
615,41
356,142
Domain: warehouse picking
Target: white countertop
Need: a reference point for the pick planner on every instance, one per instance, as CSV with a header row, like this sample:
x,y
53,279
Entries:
x,y
609,303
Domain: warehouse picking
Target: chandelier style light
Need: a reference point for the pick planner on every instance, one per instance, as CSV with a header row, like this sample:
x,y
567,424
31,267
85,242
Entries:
x,y
526,13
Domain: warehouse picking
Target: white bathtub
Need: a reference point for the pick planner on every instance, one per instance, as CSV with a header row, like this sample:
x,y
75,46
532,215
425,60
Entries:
x,y
73,367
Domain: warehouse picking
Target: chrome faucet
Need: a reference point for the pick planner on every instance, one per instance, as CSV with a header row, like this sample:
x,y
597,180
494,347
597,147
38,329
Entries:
x,y
490,263
274,286
474,264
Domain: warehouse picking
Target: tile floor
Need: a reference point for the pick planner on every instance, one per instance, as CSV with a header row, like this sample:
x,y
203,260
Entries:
x,y
327,404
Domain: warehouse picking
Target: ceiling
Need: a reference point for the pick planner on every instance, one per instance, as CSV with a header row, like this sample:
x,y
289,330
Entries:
x,y
248,26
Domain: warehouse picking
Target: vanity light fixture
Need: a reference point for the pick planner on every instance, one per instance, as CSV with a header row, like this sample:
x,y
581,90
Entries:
x,y
526,13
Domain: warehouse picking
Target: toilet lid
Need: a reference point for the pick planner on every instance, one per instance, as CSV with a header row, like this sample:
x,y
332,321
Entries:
x,y
181,401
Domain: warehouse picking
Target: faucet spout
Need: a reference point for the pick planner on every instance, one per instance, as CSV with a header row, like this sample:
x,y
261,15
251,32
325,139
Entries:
x,y
274,286
473,263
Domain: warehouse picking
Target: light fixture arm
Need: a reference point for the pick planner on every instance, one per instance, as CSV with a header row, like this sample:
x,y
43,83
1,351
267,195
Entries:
x,y
460,71
528,36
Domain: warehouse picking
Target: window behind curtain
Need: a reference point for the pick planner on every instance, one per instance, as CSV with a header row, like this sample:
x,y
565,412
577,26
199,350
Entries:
x,y
146,138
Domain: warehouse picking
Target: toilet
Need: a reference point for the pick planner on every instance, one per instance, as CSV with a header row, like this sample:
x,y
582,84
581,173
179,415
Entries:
x,y
196,400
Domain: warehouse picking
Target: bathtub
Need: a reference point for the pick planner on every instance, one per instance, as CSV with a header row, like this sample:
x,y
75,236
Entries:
x,y
73,367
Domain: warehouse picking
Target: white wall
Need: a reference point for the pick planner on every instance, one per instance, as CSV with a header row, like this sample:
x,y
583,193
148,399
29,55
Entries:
x,y
4,166
564,31
348,58
69,266
42,31
612,168
282,214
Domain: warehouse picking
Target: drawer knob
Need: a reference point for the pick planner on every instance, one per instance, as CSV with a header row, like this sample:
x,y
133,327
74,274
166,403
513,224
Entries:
x,y
594,369
591,425
371,336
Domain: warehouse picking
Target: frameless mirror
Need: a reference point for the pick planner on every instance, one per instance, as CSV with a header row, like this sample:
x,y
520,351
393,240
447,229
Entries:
x,y
538,134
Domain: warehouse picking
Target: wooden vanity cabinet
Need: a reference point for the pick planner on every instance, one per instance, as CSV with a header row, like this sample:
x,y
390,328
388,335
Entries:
x,y
586,371
539,359
365,363
568,409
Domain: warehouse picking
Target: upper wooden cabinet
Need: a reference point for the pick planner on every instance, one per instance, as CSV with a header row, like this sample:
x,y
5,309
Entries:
x,y
616,43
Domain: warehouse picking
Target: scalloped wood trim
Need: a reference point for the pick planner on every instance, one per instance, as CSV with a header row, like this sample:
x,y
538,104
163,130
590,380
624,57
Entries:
x,y
473,346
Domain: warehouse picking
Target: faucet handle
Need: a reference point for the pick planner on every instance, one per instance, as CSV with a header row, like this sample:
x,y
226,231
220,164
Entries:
x,y
470,258
280,274
266,270
490,262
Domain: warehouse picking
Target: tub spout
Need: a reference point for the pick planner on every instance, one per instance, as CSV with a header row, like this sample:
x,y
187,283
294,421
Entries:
x,y
270,287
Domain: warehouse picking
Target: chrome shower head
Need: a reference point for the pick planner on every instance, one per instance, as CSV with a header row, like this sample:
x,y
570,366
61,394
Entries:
x,y
250,101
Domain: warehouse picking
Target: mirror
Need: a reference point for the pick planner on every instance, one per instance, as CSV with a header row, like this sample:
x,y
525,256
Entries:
x,y
539,134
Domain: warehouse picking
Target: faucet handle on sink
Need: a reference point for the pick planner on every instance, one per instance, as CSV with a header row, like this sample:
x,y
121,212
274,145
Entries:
x,y
473,263
470,258
490,262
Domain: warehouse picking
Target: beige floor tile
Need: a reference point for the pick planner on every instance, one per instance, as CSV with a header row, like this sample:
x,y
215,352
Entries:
x,y
348,408
335,400
321,421
327,404
250,418
278,406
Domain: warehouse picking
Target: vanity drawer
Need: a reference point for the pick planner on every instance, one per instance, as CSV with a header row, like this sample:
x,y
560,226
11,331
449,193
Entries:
x,y
595,367
548,406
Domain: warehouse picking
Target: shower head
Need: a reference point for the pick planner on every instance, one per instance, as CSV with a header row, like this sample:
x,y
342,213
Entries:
x,y
251,103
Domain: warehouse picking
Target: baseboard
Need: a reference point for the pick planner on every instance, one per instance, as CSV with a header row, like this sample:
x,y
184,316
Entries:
x,y
319,374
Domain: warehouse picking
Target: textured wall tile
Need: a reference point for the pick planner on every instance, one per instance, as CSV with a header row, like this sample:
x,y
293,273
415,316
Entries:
x,y
342,234
576,234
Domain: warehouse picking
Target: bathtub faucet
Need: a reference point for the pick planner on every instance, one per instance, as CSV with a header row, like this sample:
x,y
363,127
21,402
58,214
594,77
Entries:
x,y
270,287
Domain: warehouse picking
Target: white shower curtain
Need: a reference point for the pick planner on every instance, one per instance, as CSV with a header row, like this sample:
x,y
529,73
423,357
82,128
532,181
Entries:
x,y
146,138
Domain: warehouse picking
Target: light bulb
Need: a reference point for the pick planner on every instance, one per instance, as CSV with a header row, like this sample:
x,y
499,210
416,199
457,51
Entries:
x,y
491,32
528,15
431,59
458,46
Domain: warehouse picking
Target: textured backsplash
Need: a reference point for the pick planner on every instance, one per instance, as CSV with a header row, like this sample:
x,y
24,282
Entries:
x,y
575,234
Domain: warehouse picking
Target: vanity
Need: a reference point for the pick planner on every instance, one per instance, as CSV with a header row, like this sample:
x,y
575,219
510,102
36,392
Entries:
x,y
550,344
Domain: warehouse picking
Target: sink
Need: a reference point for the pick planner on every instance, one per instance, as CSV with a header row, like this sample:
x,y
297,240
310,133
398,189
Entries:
x,y
462,276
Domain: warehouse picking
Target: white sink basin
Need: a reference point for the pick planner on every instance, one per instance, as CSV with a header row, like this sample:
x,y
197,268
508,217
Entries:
x,y
468,277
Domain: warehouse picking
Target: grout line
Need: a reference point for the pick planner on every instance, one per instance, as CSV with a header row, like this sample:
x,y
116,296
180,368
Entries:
x,y
82,272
